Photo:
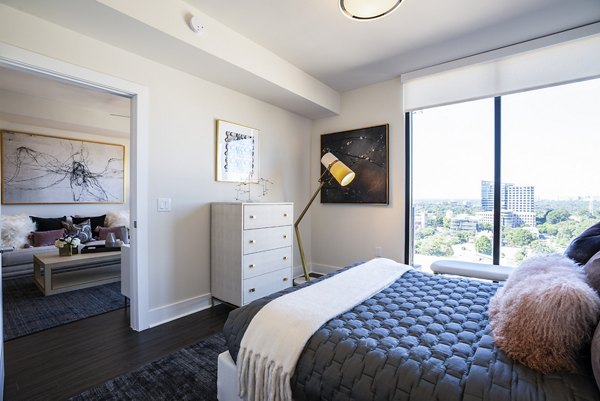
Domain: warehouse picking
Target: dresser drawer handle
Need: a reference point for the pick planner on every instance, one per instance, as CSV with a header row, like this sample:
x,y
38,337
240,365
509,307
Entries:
x,y
285,215
285,258
252,266
284,236
252,241
252,290
285,279
252,216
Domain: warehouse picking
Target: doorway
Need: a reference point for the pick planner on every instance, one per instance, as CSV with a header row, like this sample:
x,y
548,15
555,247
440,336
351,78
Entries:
x,y
23,60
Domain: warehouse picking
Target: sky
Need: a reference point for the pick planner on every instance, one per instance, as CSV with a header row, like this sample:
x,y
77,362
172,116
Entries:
x,y
551,140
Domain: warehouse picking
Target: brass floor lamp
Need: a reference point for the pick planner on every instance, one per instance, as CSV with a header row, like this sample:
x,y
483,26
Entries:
x,y
343,175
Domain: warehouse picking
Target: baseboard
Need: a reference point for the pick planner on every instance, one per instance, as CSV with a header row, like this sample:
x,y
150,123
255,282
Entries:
x,y
167,313
315,268
326,269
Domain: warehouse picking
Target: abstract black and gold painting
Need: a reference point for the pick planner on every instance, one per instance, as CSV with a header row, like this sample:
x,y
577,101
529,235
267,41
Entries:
x,y
365,151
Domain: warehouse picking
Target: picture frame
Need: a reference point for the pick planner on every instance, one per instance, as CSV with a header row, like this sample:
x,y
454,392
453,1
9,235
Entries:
x,y
365,151
45,169
237,153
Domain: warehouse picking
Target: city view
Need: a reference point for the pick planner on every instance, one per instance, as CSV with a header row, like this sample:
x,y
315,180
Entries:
x,y
547,142
463,228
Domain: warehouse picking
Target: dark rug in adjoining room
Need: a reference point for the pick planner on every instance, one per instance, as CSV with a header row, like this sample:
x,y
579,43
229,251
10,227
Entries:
x,y
186,375
26,310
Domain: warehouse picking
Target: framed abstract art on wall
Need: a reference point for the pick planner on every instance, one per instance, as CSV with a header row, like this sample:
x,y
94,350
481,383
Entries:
x,y
237,153
47,169
365,151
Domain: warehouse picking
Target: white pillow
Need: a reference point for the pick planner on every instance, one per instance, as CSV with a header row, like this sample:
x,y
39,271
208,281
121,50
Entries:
x,y
118,218
15,230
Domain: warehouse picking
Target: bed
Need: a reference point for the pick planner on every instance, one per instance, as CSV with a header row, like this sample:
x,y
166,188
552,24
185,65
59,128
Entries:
x,y
424,337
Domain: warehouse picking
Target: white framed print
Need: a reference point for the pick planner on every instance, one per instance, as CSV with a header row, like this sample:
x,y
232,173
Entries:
x,y
237,152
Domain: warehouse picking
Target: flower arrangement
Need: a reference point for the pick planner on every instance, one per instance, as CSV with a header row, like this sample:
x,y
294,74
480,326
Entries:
x,y
68,240
67,244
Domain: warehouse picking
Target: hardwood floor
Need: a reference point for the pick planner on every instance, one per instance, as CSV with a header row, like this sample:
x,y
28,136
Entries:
x,y
61,362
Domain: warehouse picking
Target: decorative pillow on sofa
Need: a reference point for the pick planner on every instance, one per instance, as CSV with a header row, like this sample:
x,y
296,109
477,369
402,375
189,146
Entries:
x,y
48,224
545,314
83,230
15,230
95,222
44,238
119,232
585,245
119,218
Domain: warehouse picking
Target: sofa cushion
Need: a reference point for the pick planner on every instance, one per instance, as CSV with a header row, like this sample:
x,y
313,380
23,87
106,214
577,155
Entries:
x,y
95,221
48,223
83,230
24,256
43,238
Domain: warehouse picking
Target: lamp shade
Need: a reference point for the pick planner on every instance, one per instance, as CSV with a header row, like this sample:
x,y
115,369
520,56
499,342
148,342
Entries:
x,y
368,9
342,173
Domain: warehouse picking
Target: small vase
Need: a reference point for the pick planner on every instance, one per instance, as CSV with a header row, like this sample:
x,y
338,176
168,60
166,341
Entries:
x,y
65,251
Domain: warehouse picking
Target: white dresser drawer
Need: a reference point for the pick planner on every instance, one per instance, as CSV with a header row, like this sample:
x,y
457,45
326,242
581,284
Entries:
x,y
267,215
255,264
263,239
260,286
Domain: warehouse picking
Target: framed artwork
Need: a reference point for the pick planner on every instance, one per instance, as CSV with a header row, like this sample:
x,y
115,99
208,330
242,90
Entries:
x,y
237,152
365,151
48,169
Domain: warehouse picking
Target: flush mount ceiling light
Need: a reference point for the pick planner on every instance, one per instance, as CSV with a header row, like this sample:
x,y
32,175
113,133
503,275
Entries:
x,y
368,9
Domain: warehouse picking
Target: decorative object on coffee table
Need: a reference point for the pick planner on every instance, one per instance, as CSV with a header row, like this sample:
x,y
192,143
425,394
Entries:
x,y
67,246
110,241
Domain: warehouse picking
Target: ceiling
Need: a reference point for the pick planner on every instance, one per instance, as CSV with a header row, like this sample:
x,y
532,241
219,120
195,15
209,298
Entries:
x,y
347,54
31,99
324,52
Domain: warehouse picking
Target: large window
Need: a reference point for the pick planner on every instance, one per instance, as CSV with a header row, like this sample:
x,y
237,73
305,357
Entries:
x,y
547,143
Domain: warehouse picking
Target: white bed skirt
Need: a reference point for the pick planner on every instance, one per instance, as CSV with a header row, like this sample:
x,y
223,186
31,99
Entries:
x,y
227,378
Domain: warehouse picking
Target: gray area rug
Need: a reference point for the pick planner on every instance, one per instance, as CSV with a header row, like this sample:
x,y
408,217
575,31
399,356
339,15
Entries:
x,y
186,375
26,310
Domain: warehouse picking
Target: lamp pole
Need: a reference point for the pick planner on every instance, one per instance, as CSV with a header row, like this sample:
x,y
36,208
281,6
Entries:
x,y
298,237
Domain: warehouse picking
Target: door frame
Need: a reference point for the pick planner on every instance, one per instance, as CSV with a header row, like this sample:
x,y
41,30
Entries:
x,y
24,60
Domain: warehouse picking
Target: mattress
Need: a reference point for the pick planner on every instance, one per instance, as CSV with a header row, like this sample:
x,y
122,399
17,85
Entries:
x,y
424,337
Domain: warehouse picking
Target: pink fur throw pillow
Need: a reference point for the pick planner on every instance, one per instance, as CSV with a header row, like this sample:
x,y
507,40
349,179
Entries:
x,y
545,314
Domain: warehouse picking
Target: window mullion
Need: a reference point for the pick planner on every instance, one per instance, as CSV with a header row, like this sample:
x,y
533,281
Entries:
x,y
497,180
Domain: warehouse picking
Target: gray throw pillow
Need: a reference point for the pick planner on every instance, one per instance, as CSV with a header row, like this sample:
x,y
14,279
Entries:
x,y
592,271
83,230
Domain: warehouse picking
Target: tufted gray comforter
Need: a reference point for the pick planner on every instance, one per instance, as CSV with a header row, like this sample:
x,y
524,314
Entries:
x,y
423,338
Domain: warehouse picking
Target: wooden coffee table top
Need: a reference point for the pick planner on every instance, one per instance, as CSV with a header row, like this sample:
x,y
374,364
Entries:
x,y
54,260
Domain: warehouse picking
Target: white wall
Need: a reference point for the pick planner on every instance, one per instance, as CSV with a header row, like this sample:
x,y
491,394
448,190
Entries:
x,y
67,209
344,234
183,110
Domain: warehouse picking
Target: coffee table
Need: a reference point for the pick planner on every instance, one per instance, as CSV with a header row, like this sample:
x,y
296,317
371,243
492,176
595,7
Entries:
x,y
54,274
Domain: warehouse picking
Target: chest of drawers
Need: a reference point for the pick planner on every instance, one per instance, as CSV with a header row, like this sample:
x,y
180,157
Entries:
x,y
251,250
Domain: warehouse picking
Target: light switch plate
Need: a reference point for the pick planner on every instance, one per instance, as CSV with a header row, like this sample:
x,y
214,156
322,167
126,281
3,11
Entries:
x,y
164,204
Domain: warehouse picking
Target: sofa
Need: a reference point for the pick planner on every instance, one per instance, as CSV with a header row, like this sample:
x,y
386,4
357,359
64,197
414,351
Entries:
x,y
18,250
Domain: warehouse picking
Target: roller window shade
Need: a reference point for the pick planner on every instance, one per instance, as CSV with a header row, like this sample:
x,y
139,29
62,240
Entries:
x,y
495,73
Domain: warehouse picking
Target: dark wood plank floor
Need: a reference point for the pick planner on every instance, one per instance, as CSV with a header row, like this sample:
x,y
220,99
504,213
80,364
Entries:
x,y
61,362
